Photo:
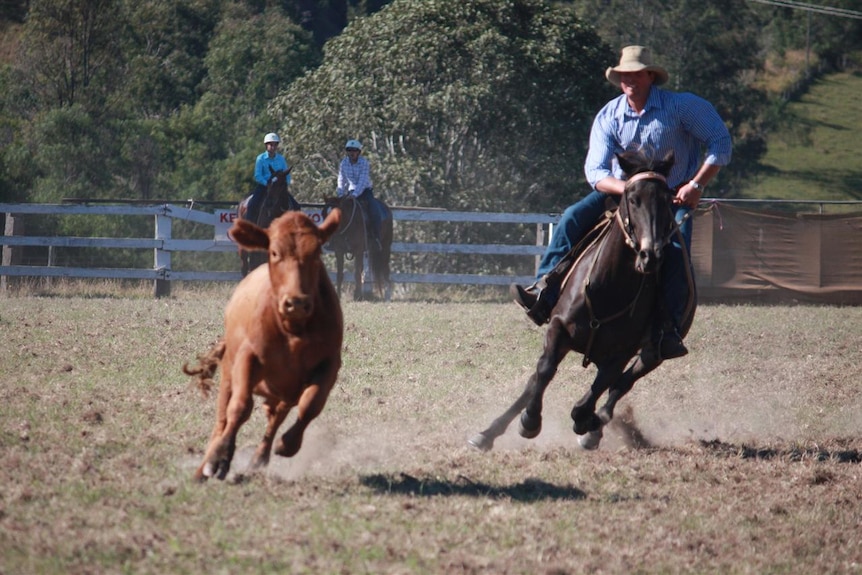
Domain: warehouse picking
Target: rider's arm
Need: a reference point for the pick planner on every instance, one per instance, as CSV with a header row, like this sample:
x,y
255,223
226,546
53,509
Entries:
x,y
261,171
342,180
599,164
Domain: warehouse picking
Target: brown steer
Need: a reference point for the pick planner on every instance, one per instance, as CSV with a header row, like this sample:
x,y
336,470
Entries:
x,y
282,340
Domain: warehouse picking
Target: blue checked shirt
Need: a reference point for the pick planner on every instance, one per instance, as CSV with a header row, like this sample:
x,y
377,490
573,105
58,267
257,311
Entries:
x,y
353,178
682,122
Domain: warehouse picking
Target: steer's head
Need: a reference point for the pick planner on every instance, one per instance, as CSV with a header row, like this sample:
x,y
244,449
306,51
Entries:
x,y
294,244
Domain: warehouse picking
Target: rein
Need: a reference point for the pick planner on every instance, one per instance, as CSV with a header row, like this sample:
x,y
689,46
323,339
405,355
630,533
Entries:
x,y
596,323
628,235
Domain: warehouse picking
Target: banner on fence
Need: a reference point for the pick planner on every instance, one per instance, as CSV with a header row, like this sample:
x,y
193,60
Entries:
x,y
224,220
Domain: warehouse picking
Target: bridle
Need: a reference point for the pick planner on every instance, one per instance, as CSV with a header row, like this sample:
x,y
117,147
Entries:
x,y
625,222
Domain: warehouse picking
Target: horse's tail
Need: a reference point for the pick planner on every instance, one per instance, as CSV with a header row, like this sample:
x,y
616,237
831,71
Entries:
x,y
206,368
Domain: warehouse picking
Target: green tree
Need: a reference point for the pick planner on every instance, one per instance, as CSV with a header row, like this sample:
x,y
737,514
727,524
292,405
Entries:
x,y
481,104
710,48
68,50
251,57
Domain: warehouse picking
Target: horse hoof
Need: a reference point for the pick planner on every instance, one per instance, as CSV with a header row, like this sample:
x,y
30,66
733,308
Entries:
x,y
481,442
590,441
526,429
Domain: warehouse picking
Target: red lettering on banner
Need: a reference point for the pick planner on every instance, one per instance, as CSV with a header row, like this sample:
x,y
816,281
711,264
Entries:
x,y
227,217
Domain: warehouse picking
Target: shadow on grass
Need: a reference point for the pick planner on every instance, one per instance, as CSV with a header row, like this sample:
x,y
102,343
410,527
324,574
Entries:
x,y
788,453
529,490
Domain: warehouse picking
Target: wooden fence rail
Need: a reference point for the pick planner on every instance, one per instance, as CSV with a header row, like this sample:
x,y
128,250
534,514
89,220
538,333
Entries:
x,y
736,252
164,244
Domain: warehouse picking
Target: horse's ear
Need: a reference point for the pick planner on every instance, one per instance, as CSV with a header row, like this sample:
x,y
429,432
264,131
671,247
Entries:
x,y
330,224
626,162
248,235
664,165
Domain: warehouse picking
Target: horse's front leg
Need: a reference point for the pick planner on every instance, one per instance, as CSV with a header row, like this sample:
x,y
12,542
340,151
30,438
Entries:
x,y
646,361
484,440
584,411
557,344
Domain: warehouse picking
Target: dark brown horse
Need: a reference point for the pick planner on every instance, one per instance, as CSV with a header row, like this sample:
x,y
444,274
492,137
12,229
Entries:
x,y
277,201
606,308
351,242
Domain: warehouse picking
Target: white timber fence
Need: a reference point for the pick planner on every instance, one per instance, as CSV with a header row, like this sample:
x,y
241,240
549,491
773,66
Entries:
x,y
163,243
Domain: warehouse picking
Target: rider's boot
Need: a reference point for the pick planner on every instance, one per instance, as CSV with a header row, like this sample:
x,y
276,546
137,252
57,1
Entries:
x,y
538,299
666,336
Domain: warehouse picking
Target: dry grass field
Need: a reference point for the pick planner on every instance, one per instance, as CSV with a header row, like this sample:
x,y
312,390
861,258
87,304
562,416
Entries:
x,y
750,460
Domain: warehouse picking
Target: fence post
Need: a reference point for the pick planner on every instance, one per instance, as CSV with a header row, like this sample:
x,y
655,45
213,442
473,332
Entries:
x,y
7,250
162,287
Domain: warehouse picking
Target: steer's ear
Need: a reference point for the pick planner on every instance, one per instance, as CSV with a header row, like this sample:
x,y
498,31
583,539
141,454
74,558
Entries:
x,y
248,235
330,224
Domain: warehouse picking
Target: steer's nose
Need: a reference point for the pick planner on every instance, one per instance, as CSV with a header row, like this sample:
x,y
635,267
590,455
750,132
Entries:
x,y
295,306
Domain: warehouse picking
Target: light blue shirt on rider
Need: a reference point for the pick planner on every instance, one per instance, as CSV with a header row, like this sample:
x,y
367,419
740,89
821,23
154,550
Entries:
x,y
262,165
682,122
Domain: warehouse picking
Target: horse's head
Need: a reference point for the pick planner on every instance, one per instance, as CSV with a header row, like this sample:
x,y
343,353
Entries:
x,y
277,186
645,208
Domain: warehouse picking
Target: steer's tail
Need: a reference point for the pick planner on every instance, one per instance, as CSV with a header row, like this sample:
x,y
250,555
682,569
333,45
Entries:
x,y
206,368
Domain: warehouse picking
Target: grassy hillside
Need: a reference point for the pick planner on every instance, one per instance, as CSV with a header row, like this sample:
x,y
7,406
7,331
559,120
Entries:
x,y
814,154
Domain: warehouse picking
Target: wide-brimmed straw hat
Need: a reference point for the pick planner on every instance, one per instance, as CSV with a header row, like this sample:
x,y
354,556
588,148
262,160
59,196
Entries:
x,y
635,59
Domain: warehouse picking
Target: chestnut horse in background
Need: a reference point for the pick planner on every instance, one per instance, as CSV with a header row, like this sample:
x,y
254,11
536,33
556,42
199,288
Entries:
x,y
607,306
351,241
283,331
276,201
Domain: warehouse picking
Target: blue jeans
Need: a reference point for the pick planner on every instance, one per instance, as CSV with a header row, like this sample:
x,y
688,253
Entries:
x,y
580,218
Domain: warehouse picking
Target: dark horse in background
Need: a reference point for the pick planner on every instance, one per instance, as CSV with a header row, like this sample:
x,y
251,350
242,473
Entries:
x,y
607,306
277,201
351,241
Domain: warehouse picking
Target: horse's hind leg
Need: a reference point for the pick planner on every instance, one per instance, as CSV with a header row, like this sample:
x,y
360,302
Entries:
x,y
359,268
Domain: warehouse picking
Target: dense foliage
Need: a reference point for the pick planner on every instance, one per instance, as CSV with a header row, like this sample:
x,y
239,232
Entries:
x,y
480,104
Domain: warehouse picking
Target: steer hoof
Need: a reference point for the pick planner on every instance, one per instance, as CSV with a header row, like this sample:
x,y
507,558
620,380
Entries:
x,y
528,427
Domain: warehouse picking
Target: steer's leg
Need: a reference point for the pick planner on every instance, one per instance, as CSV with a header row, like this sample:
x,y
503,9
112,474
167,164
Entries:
x,y
234,408
276,411
310,405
